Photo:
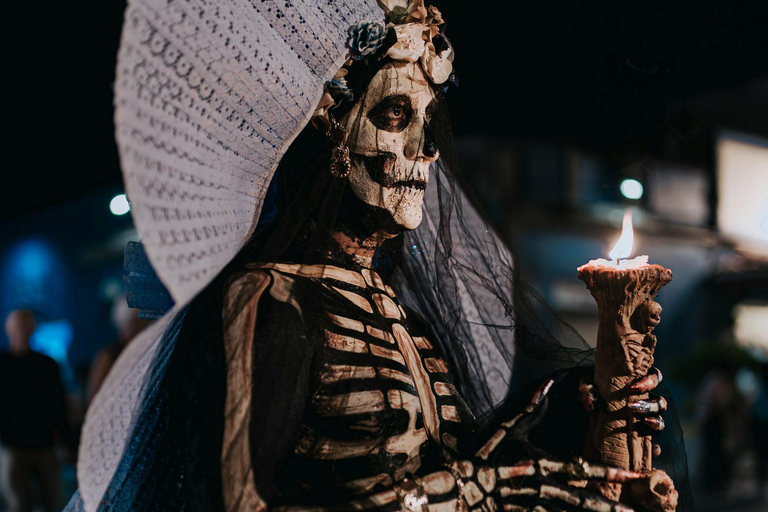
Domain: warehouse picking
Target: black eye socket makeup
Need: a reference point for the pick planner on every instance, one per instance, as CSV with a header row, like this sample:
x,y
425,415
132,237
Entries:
x,y
429,112
392,114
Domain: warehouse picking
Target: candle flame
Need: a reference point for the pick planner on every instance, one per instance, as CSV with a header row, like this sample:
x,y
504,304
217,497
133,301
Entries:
x,y
623,247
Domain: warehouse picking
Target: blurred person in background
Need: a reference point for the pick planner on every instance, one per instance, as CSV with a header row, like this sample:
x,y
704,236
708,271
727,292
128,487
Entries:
x,y
713,402
32,417
759,419
128,324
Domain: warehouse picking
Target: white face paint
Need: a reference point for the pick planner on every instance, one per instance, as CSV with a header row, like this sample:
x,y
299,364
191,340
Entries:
x,y
389,144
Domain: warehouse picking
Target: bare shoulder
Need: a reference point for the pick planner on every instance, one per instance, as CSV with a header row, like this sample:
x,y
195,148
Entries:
x,y
243,290
251,287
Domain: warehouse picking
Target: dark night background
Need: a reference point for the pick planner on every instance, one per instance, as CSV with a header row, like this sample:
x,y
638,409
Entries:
x,y
558,103
626,78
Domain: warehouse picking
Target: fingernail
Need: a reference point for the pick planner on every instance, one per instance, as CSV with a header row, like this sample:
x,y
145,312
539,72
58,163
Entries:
x,y
654,422
629,475
542,391
663,403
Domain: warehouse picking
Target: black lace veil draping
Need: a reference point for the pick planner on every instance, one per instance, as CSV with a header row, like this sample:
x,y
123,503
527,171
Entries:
x,y
452,273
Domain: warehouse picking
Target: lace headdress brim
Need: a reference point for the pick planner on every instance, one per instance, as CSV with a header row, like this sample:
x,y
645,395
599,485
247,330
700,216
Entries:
x,y
208,97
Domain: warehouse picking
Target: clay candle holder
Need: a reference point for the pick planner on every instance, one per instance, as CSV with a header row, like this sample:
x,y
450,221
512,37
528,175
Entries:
x,y
627,314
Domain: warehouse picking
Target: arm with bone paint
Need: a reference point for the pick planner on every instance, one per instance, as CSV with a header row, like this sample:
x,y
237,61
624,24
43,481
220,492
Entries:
x,y
246,470
264,324
507,473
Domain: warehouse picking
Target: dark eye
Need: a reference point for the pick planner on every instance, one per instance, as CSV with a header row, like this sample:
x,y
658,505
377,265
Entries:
x,y
429,113
392,113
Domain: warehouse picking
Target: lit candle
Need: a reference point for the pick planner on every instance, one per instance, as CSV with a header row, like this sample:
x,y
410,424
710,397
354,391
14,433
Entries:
x,y
621,251
627,313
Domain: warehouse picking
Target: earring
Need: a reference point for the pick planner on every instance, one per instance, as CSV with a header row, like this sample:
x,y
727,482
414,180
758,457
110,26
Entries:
x,y
341,165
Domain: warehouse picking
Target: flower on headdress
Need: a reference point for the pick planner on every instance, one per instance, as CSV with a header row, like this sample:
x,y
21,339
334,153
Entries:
x,y
410,42
336,92
417,39
433,20
404,11
437,66
339,90
434,17
365,38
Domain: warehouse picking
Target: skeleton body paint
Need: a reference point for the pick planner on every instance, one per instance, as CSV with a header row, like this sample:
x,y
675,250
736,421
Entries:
x,y
389,142
380,397
380,402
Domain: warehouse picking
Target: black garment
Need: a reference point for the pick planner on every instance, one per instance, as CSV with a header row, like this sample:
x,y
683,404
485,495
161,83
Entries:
x,y
31,401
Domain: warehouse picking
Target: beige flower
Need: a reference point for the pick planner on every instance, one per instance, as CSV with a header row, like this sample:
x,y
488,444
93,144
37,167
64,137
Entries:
x,y
391,5
320,119
404,11
434,17
437,67
410,43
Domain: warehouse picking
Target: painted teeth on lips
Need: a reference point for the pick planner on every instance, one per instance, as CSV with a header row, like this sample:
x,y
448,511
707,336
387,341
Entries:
x,y
419,185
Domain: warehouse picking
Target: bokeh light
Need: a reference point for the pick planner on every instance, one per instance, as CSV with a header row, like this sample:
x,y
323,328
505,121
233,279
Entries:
x,y
119,205
631,189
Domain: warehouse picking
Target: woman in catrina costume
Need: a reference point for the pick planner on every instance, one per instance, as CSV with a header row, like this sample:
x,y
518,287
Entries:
x,y
348,332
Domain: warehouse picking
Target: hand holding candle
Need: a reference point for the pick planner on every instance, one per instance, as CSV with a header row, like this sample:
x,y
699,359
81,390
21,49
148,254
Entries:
x,y
627,314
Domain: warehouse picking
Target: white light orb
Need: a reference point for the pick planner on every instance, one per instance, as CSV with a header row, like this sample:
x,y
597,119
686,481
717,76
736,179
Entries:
x,y
119,205
631,189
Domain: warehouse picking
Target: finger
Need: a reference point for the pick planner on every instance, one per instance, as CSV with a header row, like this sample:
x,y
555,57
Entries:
x,y
525,468
571,498
536,401
652,406
509,507
540,393
490,446
649,382
656,450
587,396
521,425
579,469
654,423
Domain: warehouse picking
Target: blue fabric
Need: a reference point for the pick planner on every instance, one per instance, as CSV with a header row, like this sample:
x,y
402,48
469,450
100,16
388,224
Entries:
x,y
75,504
269,208
143,289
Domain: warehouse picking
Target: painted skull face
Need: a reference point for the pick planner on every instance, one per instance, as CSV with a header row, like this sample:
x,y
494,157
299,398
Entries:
x,y
390,144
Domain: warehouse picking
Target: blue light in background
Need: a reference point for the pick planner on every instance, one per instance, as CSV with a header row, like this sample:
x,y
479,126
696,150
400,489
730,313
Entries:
x,y
30,260
34,276
30,274
54,339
